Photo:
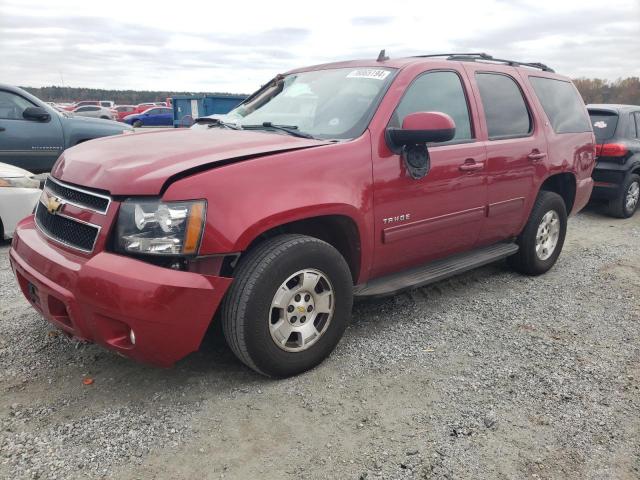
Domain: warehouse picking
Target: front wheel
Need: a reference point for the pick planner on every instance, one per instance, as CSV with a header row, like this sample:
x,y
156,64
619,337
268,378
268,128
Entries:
x,y
137,124
543,236
288,305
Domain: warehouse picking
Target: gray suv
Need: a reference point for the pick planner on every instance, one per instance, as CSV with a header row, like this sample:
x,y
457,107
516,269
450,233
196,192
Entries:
x,y
34,134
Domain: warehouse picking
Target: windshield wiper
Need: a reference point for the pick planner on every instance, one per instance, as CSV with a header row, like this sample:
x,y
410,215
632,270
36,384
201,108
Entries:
x,y
290,129
216,122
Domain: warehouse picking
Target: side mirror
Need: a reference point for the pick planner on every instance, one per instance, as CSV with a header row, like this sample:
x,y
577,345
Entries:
x,y
38,114
411,140
422,127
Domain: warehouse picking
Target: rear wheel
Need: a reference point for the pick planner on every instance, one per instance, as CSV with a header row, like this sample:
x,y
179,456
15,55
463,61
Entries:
x,y
288,306
625,205
543,236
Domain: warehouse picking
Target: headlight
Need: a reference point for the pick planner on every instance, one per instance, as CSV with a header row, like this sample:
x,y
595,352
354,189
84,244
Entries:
x,y
160,228
19,182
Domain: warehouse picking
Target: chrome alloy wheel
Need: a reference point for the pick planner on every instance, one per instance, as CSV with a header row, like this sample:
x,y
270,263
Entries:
x,y
301,310
632,197
547,236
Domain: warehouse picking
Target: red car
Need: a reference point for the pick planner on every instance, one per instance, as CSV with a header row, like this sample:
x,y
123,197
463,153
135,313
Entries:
x,y
121,111
141,107
359,178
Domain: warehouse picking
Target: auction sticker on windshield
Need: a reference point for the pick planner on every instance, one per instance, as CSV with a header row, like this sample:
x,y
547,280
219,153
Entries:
x,y
374,73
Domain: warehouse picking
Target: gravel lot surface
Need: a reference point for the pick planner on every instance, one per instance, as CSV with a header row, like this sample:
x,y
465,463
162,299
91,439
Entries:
x,y
487,375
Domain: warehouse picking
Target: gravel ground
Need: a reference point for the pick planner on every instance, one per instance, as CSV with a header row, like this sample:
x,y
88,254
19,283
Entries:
x,y
487,375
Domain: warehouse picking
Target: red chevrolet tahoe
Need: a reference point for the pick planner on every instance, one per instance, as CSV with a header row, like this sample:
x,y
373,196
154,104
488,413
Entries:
x,y
360,178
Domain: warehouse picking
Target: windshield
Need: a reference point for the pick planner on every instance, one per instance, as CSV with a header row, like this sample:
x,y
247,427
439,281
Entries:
x,y
335,103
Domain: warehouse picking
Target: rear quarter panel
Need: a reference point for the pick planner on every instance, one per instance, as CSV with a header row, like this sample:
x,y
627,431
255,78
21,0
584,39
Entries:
x,y
250,197
566,152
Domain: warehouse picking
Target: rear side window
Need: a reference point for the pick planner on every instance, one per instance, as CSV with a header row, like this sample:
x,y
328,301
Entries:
x,y
604,124
436,92
504,107
635,125
562,104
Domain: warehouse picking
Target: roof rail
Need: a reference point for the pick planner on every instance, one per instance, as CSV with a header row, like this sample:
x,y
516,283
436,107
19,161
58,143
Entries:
x,y
474,57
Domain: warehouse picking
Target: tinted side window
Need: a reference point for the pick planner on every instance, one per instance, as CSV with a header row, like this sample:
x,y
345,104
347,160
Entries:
x,y
504,106
153,111
562,104
635,124
12,106
436,92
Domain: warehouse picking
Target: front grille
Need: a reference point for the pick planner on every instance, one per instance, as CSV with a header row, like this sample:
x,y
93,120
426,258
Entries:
x,y
66,230
78,197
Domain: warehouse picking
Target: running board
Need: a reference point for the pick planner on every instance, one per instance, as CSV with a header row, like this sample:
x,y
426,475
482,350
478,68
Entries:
x,y
435,271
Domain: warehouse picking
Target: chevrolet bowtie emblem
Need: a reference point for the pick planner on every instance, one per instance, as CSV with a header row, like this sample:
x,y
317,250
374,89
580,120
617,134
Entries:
x,y
54,205
301,309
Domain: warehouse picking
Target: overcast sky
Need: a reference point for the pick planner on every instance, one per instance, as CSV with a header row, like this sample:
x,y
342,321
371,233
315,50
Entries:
x,y
235,46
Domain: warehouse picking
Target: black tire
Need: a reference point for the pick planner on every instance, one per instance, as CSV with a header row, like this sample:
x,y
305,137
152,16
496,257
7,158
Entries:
x,y
246,308
137,124
618,206
527,260
105,118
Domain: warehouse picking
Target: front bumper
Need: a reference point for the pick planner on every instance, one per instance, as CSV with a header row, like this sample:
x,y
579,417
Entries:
x,y
103,297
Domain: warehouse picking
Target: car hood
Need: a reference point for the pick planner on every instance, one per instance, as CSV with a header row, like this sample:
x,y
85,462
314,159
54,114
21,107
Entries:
x,y
141,163
11,171
80,120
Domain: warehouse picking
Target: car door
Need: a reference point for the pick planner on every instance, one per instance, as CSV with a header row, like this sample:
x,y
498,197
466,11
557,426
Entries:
x,y
442,213
166,117
83,111
30,144
150,117
516,146
94,111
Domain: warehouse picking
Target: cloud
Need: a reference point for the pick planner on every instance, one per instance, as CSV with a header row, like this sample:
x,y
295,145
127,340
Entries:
x,y
606,44
207,48
371,21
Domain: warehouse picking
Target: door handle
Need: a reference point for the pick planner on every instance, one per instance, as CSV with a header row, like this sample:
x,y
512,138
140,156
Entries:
x,y
536,155
470,165
2,129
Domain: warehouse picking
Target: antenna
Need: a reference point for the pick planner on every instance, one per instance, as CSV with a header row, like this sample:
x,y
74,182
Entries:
x,y
382,56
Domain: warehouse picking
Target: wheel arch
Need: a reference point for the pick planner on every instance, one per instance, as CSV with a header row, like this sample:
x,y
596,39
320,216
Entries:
x,y
564,184
340,230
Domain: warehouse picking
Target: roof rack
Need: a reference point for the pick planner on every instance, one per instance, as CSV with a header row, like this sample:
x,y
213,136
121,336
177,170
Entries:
x,y
474,57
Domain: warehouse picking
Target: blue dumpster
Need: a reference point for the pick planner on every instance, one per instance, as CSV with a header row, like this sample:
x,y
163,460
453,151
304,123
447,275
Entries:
x,y
186,108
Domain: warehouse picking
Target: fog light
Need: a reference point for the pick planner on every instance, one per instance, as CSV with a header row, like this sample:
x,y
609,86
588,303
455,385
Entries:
x,y
132,337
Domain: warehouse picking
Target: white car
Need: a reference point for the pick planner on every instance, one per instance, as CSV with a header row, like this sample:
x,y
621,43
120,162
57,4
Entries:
x,y
19,193
93,111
